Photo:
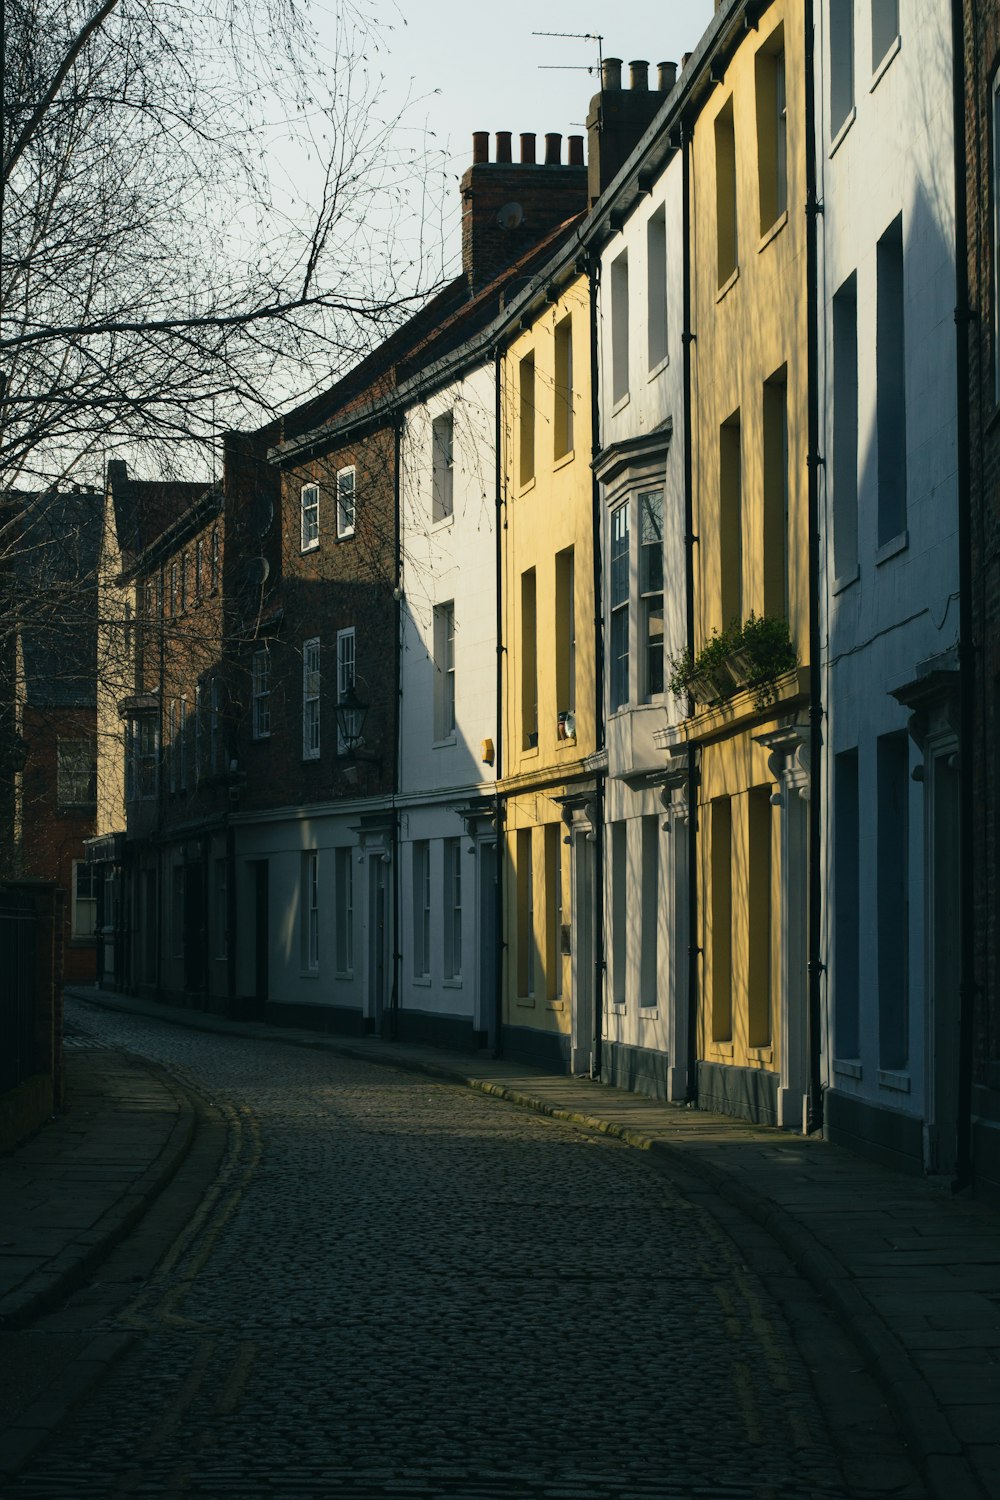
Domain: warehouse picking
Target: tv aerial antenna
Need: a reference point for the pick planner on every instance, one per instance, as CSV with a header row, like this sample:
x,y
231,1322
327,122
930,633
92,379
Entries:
x,y
573,36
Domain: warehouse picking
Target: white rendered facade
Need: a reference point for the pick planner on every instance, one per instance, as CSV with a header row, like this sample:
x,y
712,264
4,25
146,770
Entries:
x,y
641,470
889,575
448,713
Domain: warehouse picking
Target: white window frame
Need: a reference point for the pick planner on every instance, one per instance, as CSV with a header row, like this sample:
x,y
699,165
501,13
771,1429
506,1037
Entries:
x,y
445,703
347,491
84,906
453,909
260,695
346,676
647,598
443,466
311,683
421,909
309,517
619,607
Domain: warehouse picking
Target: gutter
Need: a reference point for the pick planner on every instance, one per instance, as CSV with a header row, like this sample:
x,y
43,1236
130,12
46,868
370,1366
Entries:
x,y
814,1107
597,1006
397,651
687,339
966,647
501,946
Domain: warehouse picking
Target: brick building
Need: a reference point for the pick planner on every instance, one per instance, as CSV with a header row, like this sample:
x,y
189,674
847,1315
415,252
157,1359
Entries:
x,y
980,83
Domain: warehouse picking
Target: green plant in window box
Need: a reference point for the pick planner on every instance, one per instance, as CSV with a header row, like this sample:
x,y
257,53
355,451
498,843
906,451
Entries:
x,y
761,652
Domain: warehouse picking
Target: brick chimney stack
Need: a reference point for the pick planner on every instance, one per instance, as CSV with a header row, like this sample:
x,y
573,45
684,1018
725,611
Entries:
x,y
619,117
508,206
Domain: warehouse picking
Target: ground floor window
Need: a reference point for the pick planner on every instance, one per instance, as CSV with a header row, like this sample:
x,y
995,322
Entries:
x,y
84,909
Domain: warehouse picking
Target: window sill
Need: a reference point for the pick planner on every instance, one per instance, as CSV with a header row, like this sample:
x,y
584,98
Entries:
x,y
345,536
530,752
649,1013
659,367
345,974
308,973
441,523
728,284
454,983
773,232
222,958
885,64
847,1069
449,739
846,579
556,1005
423,980
310,547
260,739
569,743
721,1049
617,1007
892,548
761,1054
842,130
899,1083
620,404
527,486
563,460
311,759
526,1000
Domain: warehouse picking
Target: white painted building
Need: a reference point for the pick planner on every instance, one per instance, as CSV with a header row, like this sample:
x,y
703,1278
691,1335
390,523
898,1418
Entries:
x,y
448,713
889,576
642,515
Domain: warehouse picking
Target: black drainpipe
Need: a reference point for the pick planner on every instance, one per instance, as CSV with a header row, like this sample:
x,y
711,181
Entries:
x,y
501,946
597,1007
162,886
687,339
966,655
397,442
814,1114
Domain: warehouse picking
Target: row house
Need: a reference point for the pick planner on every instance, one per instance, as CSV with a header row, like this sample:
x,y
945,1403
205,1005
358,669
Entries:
x,y
888,579
49,543
591,658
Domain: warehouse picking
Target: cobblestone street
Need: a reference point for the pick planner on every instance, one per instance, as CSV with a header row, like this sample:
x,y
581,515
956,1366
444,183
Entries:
x,y
396,1287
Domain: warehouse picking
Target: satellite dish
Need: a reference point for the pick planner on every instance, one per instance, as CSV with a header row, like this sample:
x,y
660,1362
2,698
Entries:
x,y
571,725
511,216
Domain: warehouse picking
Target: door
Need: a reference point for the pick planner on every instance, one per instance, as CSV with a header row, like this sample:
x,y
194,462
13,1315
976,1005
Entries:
x,y
485,1023
194,929
583,954
377,935
261,939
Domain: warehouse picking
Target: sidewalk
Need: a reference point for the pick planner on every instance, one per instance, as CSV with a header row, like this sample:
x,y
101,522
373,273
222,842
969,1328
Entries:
x,y
913,1274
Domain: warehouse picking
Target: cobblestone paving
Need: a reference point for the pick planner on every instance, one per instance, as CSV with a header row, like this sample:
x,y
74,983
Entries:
x,y
397,1288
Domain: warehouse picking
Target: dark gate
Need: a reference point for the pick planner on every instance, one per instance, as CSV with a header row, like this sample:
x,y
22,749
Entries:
x,y
19,1057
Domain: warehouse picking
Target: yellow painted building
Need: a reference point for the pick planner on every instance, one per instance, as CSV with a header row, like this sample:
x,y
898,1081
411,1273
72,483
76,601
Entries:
x,y
549,729
750,508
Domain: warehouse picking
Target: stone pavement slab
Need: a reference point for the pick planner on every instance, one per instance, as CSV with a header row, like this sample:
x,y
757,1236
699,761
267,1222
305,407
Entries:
x,y
911,1272
81,1182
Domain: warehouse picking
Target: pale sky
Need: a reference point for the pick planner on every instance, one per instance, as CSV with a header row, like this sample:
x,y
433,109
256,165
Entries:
x,y
469,65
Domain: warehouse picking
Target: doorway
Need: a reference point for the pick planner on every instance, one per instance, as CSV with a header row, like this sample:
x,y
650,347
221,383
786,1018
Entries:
x,y
485,1020
377,939
583,954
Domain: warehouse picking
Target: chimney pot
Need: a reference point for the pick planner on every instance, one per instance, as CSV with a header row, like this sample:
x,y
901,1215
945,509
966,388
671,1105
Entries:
x,y
611,74
553,149
503,145
686,58
638,74
480,146
575,143
528,147
666,76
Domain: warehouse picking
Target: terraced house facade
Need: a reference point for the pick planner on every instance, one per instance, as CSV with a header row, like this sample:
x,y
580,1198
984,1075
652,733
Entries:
x,y
596,653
